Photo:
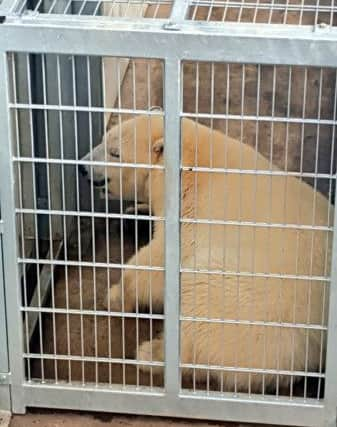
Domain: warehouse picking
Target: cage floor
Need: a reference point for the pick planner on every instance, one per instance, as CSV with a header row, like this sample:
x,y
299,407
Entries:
x,y
94,329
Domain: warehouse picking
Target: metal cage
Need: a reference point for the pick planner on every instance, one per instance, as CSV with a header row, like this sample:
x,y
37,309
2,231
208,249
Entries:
x,y
262,73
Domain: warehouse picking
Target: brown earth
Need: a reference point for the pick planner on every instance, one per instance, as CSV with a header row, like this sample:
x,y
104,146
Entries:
x,y
71,419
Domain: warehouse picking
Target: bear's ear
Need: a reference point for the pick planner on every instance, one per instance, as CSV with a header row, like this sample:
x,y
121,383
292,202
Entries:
x,y
158,148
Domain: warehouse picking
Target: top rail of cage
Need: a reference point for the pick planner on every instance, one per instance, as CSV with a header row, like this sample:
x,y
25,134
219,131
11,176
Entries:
x,y
281,12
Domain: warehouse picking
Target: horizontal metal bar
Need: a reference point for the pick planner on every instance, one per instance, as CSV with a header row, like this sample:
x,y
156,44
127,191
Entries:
x,y
113,360
254,323
269,172
253,118
71,263
89,214
262,275
99,313
222,407
184,168
102,313
126,389
251,370
83,109
85,162
75,358
256,224
264,44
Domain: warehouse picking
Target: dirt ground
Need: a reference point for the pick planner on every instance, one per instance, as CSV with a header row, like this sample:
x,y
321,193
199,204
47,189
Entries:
x,y
71,419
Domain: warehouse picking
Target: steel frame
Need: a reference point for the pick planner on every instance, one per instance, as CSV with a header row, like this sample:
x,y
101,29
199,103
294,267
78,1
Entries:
x,y
4,367
173,41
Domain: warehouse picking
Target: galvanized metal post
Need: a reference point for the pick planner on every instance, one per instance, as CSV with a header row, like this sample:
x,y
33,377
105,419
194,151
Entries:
x,y
330,395
5,404
11,272
172,225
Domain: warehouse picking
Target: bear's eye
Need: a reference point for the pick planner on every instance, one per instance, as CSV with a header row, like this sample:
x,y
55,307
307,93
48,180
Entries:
x,y
114,153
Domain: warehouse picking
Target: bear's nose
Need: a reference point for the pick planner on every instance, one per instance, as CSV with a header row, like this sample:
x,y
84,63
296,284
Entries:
x,y
100,182
82,170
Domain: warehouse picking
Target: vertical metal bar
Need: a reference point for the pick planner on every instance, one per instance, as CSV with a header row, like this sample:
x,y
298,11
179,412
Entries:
x,y
121,223
4,367
11,272
172,225
78,208
7,6
195,215
330,394
134,108
20,200
107,222
149,97
179,10
24,144
93,230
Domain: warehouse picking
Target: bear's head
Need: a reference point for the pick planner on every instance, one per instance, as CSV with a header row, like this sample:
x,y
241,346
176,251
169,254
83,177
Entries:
x,y
138,145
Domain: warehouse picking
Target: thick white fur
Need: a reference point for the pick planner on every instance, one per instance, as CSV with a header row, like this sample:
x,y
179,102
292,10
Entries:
x,y
269,252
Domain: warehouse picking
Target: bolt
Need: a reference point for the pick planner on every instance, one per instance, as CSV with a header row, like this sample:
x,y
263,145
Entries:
x,y
171,26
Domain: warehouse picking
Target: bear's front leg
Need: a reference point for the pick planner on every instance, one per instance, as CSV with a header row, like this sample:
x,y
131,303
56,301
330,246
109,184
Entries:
x,y
142,284
139,209
152,351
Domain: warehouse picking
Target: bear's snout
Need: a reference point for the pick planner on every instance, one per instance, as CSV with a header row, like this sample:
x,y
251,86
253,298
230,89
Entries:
x,y
100,182
98,179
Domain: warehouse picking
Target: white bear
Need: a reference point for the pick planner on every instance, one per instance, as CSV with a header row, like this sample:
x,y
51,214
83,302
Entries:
x,y
260,309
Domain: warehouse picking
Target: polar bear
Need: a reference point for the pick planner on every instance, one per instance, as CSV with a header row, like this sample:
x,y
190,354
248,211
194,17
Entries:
x,y
254,282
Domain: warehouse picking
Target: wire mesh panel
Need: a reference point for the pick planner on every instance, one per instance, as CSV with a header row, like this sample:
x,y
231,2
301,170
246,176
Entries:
x,y
266,12
256,230
77,326
110,8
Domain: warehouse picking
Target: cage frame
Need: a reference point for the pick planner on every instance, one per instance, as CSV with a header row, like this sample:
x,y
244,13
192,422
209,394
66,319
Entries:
x,y
172,40
5,404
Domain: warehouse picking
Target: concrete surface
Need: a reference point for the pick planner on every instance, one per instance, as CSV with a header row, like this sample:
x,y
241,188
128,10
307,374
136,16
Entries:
x,y
4,418
73,419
